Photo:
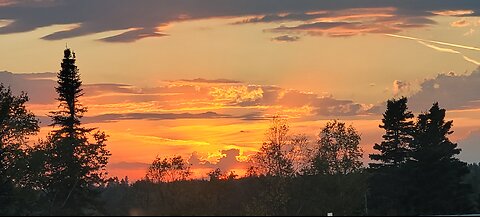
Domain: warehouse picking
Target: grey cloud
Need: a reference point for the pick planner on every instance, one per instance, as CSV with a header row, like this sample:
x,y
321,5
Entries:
x,y
211,81
450,90
317,25
38,86
286,38
144,16
134,35
108,118
470,147
322,106
279,18
255,116
151,116
329,106
128,165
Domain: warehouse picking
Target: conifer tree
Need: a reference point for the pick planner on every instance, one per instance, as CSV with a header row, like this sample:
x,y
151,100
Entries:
x,y
436,172
389,180
75,165
398,126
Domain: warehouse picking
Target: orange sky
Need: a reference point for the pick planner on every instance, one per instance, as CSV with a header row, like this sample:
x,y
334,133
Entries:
x,y
202,80
218,122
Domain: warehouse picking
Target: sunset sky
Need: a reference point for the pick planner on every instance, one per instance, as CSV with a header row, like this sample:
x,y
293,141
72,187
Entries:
x,y
201,78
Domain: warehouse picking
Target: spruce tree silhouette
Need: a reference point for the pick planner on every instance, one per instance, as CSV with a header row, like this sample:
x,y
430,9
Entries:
x,y
437,175
389,180
75,166
398,126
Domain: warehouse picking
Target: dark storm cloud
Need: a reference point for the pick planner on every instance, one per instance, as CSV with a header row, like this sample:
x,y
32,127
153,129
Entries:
x,y
145,18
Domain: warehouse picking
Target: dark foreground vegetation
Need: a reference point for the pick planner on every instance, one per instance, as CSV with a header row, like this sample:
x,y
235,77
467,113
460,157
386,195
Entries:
x,y
308,195
414,171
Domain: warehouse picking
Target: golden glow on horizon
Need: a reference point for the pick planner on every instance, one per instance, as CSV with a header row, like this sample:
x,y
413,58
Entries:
x,y
266,79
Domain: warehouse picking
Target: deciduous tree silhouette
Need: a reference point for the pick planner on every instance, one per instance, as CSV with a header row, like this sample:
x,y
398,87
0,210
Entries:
x,y
169,170
300,152
16,124
339,150
272,160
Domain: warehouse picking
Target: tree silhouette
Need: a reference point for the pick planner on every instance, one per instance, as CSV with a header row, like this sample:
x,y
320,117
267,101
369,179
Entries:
x,y
398,128
215,174
389,180
74,165
16,124
300,153
339,150
272,160
169,170
436,173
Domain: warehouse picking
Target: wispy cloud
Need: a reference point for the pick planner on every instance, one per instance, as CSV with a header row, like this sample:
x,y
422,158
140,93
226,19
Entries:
x,y
460,23
286,38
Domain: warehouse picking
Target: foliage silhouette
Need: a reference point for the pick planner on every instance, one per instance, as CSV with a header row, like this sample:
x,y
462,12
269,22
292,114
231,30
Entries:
x,y
74,166
16,124
339,150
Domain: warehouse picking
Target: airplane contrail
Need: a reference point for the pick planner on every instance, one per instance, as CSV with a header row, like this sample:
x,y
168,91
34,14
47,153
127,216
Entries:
x,y
471,60
441,49
435,42
429,43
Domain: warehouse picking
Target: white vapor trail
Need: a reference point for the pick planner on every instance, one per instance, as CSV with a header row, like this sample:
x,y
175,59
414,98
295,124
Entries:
x,y
435,42
429,43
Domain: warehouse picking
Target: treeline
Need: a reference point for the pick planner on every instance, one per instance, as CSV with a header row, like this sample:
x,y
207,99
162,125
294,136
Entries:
x,y
415,170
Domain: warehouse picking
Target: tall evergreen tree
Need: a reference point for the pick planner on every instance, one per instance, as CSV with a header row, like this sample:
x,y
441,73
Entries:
x,y
437,174
389,180
75,166
398,126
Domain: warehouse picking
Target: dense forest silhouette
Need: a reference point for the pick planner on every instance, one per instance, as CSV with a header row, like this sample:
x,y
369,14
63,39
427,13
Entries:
x,y
415,169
